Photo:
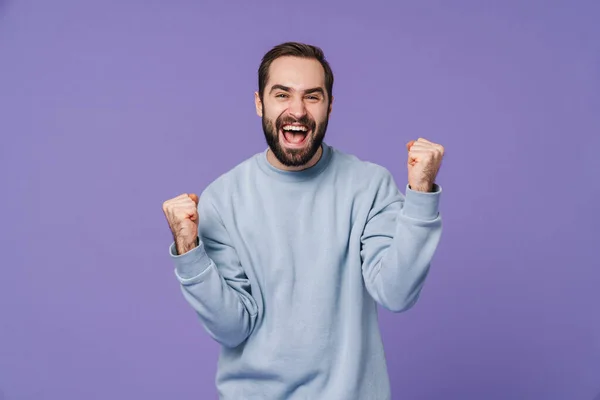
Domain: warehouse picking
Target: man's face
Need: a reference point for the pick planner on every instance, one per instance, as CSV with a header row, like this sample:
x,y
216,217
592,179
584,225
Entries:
x,y
294,109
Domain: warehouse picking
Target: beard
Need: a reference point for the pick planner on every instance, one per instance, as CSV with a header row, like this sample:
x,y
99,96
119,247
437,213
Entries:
x,y
294,157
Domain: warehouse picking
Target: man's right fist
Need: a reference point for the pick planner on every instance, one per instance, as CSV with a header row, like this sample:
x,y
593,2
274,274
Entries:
x,y
182,216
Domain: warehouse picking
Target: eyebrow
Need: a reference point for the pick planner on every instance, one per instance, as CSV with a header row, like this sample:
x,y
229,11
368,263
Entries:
x,y
307,91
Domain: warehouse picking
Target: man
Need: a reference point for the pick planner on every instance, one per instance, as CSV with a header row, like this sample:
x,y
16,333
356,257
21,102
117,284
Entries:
x,y
285,257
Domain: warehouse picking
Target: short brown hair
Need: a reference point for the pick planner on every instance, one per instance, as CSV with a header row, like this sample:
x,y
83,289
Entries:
x,y
294,49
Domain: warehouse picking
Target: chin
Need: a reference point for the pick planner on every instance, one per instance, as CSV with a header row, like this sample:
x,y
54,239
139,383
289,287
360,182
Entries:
x,y
296,155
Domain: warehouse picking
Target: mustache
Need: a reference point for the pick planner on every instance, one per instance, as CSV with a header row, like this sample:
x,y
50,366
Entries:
x,y
305,120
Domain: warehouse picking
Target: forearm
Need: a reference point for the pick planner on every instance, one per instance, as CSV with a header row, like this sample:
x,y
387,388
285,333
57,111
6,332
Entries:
x,y
395,275
227,312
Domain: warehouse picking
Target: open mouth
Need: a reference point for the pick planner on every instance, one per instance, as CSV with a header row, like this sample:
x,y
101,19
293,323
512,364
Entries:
x,y
294,134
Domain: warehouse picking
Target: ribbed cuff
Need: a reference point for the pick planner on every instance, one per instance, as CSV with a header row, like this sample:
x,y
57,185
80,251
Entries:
x,y
422,205
192,263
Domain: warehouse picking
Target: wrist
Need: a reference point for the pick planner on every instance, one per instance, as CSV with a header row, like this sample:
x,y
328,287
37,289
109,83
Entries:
x,y
422,187
184,246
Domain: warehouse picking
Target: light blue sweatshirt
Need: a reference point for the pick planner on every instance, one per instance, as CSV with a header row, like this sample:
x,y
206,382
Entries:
x,y
290,268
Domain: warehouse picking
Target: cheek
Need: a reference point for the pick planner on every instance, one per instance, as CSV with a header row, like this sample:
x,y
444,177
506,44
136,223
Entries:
x,y
318,114
272,113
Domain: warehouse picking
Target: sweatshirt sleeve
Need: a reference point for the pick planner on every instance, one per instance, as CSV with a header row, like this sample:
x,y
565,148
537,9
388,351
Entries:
x,y
213,281
398,243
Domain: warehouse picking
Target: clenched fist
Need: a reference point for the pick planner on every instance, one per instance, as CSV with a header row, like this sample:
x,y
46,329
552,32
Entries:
x,y
182,216
424,160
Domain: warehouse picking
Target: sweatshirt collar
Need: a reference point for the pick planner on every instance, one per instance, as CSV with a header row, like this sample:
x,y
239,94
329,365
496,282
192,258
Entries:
x,y
292,176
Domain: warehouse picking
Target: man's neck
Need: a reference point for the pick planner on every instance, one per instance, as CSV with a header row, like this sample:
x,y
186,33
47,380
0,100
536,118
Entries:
x,y
277,164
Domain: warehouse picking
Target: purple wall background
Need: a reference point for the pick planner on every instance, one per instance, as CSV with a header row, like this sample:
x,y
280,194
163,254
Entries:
x,y
109,108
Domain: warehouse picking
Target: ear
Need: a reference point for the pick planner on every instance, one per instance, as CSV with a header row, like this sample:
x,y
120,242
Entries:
x,y
258,104
330,106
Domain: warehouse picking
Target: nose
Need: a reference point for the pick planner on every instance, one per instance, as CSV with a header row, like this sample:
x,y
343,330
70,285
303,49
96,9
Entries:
x,y
297,108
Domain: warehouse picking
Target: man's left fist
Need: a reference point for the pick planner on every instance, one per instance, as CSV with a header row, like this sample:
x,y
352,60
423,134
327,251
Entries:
x,y
424,160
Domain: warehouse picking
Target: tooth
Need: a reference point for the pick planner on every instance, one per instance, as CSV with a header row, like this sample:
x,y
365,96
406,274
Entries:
x,y
295,128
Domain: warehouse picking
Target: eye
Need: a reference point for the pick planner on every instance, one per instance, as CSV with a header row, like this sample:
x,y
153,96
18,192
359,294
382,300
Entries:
x,y
281,95
312,97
